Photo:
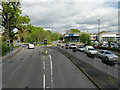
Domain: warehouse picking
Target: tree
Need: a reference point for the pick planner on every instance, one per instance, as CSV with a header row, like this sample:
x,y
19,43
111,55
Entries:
x,y
61,37
11,18
55,36
85,38
72,31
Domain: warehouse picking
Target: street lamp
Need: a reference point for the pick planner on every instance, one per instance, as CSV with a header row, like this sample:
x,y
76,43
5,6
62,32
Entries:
x,y
98,29
52,28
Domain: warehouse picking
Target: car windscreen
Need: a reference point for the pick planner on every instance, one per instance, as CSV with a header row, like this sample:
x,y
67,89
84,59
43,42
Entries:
x,y
73,44
31,43
91,49
108,52
80,47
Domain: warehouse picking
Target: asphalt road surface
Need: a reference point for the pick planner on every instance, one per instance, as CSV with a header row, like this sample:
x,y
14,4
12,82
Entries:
x,y
30,68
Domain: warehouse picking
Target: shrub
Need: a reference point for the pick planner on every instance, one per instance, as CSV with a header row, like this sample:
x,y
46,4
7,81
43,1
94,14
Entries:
x,y
108,48
4,48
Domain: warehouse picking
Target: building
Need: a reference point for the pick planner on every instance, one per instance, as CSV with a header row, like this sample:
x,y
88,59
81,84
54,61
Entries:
x,y
109,37
72,37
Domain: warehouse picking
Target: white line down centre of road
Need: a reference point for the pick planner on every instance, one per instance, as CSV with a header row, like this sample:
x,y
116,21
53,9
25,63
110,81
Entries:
x,y
51,66
44,82
43,64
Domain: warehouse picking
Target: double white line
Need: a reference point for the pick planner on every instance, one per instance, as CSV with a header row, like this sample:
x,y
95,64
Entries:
x,y
51,71
44,76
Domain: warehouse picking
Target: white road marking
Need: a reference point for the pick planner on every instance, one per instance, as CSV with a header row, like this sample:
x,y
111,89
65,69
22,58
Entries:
x,y
51,71
43,81
15,70
43,57
43,64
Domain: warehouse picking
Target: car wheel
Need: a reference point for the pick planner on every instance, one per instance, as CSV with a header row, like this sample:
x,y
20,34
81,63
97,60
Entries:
x,y
107,59
97,56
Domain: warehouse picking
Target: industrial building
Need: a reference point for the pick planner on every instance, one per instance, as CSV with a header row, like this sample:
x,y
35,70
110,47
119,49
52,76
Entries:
x,y
102,37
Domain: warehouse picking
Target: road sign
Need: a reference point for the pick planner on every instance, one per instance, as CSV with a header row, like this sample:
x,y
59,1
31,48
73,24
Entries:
x,y
71,34
45,41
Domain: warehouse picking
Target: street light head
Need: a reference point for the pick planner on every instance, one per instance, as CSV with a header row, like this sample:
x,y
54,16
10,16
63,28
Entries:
x,y
98,19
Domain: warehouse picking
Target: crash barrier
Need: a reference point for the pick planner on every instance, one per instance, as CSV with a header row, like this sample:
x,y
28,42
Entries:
x,y
97,63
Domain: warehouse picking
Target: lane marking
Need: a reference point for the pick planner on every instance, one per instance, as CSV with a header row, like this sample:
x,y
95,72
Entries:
x,y
15,70
43,57
51,66
43,81
43,64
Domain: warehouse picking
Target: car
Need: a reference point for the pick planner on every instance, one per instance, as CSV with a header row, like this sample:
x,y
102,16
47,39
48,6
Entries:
x,y
66,46
114,45
107,55
72,46
81,48
90,51
31,46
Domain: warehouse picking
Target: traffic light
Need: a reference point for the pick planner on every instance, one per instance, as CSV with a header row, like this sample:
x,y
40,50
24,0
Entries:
x,y
11,41
45,41
8,43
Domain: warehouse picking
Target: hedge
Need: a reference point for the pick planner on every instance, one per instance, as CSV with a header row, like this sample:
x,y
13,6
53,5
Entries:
x,y
4,48
108,48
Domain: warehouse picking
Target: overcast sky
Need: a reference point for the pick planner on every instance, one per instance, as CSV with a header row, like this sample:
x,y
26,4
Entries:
x,y
67,14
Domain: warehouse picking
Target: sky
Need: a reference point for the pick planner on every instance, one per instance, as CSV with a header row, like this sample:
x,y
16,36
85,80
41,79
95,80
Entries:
x,y
67,14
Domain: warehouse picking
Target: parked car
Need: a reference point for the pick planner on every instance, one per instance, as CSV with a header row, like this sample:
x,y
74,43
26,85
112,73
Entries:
x,y
66,46
31,46
107,55
72,46
81,48
114,45
90,51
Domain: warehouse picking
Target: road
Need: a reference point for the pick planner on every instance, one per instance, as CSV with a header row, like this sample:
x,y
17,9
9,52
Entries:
x,y
32,69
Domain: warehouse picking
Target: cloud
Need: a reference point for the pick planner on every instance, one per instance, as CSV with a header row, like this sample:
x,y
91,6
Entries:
x,y
66,14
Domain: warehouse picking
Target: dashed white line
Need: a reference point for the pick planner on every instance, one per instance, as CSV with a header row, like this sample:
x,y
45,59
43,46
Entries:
x,y
43,64
43,57
51,71
43,81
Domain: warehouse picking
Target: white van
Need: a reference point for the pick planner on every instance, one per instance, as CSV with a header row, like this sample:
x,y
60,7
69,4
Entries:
x,y
90,50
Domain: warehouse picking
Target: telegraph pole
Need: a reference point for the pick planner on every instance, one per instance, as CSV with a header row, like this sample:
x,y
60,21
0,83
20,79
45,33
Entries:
x,y
98,29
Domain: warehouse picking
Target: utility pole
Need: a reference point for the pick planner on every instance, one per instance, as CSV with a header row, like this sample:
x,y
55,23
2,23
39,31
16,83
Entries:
x,y
98,30
52,33
52,28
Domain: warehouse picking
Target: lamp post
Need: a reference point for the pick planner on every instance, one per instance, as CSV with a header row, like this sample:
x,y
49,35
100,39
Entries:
x,y
52,32
52,28
98,30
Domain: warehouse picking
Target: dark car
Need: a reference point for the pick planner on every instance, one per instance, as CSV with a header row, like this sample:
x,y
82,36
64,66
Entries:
x,y
66,46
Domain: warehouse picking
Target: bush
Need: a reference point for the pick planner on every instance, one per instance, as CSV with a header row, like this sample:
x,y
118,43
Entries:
x,y
108,48
4,48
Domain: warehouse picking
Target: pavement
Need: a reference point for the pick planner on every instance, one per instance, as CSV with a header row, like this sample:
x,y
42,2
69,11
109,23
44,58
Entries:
x,y
32,69
11,54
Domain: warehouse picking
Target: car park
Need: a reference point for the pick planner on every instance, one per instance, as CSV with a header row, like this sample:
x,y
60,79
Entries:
x,y
31,46
72,46
107,55
81,48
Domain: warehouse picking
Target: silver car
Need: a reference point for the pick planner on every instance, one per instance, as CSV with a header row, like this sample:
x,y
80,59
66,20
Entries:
x,y
81,48
107,55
